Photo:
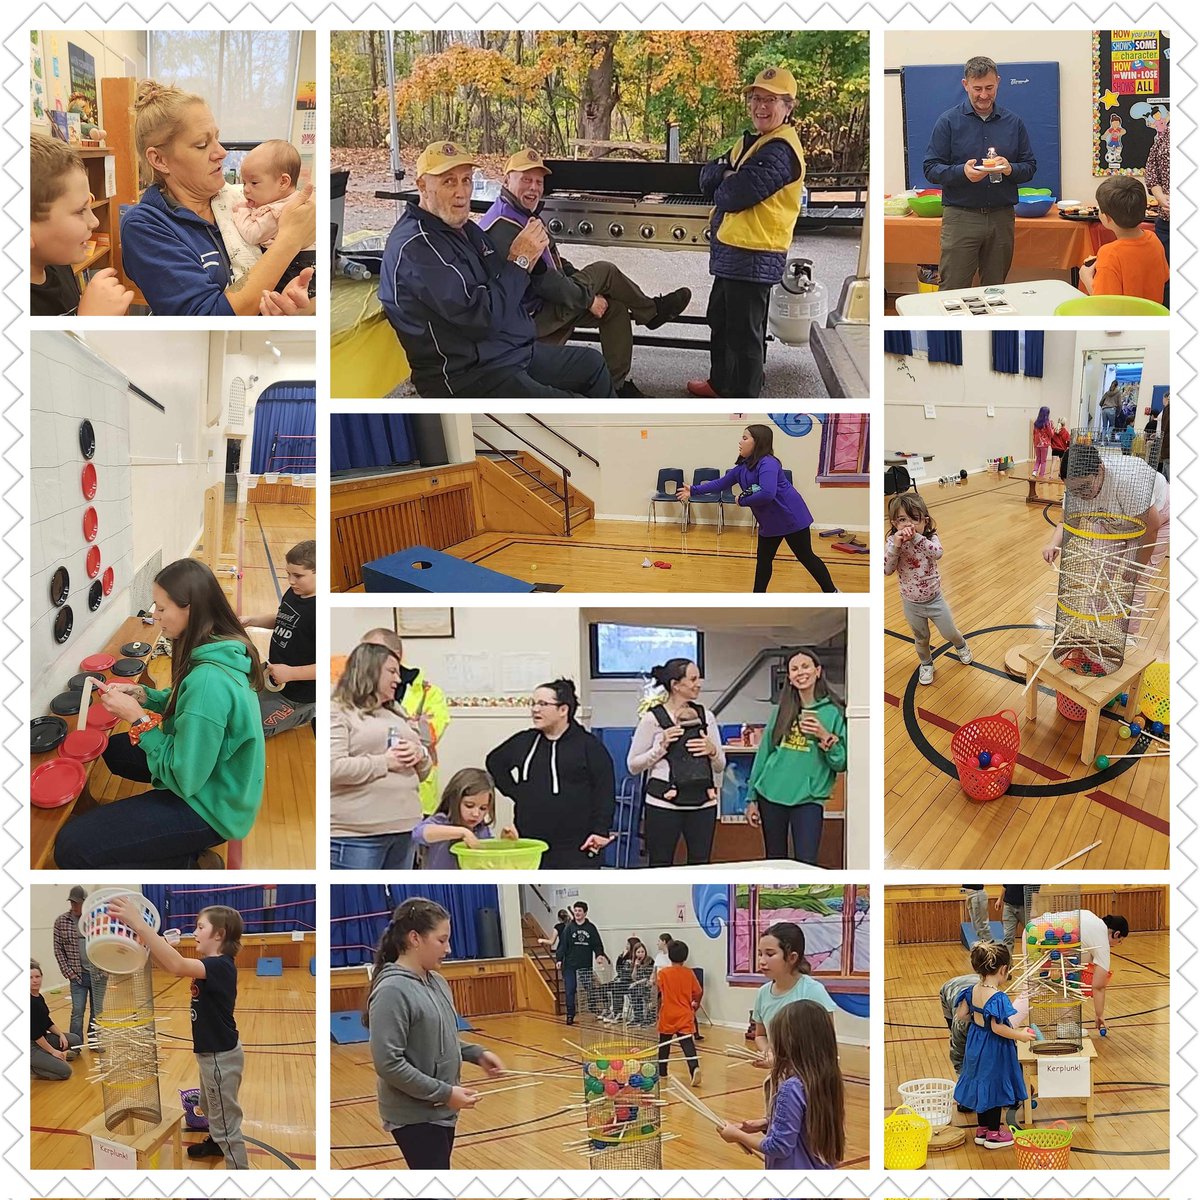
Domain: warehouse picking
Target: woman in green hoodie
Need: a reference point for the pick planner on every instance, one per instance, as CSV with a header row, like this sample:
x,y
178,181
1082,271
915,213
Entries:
x,y
414,1038
198,743
803,749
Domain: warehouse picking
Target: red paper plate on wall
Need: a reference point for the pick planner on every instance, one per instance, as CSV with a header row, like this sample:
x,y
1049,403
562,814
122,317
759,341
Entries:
x,y
91,524
84,745
97,662
93,561
100,718
88,481
56,783
107,580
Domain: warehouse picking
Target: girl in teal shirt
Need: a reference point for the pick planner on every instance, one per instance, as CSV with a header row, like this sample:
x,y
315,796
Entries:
x,y
803,749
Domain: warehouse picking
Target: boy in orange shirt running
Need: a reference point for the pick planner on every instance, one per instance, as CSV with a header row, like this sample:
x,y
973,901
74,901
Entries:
x,y
680,994
1134,264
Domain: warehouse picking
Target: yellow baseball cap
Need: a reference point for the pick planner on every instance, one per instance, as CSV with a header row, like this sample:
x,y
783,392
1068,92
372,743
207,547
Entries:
x,y
439,157
527,160
778,80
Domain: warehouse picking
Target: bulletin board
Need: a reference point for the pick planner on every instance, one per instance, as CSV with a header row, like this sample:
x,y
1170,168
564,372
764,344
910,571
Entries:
x,y
1131,89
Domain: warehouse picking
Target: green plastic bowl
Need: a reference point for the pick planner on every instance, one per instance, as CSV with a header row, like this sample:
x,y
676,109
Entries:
x,y
926,206
1110,306
1028,191
501,854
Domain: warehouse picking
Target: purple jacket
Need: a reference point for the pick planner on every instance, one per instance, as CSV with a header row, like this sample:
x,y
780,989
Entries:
x,y
783,1148
777,507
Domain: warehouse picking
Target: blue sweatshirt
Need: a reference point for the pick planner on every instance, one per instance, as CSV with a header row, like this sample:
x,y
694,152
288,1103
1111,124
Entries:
x,y
961,134
176,257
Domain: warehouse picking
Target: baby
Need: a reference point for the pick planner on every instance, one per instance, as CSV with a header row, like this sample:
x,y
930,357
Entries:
x,y
269,175
691,776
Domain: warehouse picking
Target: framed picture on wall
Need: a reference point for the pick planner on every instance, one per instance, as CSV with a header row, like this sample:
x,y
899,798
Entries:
x,y
424,622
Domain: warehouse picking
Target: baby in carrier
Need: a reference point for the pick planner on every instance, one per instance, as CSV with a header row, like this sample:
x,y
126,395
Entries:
x,y
691,782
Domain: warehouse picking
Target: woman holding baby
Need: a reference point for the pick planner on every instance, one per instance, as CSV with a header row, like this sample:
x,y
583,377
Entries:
x,y
181,242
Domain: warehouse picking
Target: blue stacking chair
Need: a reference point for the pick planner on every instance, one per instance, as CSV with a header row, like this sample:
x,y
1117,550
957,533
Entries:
x,y
720,499
670,480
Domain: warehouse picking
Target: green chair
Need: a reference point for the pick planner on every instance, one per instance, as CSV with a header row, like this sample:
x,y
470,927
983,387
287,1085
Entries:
x,y
1110,306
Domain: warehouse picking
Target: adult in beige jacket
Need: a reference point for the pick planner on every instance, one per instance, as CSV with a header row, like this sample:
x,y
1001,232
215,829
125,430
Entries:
x,y
376,765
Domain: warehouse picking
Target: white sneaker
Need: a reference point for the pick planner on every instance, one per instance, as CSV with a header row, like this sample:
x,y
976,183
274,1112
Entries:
x,y
925,674
964,655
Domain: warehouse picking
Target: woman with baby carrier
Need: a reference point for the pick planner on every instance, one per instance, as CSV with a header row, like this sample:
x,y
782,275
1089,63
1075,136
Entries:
x,y
678,745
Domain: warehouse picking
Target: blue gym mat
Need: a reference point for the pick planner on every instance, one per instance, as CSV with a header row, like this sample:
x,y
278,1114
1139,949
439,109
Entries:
x,y
464,1026
269,966
970,937
346,1028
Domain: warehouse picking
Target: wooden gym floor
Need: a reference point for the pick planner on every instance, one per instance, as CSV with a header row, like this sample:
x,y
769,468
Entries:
x,y
1131,1071
993,577
276,1018
607,556
526,1128
271,531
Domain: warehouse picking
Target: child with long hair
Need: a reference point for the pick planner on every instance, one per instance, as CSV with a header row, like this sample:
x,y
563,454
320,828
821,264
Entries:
x,y
782,960
805,1127
198,743
617,992
414,1037
465,815
1042,434
990,1079
912,552
803,750
776,505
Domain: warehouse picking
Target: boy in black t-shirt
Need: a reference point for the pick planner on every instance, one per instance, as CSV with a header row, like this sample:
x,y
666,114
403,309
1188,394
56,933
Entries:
x,y
293,657
219,1054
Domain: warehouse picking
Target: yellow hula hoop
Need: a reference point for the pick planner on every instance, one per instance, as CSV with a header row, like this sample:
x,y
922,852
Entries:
x,y
1138,530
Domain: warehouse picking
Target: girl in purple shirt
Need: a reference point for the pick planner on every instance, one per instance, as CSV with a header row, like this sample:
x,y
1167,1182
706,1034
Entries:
x,y
778,508
465,815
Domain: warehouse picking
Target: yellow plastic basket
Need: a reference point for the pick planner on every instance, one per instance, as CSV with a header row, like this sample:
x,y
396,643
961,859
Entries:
x,y
501,854
906,1137
1043,1149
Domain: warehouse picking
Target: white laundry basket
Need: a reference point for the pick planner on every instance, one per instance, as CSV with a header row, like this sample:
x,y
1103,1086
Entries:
x,y
932,1099
111,944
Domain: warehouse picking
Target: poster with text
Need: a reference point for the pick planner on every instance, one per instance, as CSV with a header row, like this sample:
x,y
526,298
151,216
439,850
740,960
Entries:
x,y
1130,97
83,81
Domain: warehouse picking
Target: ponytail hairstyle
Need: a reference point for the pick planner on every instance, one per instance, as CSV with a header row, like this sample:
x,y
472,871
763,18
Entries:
x,y
988,957
191,585
804,1046
159,112
789,699
413,916
658,688
470,781
764,445
564,693
790,937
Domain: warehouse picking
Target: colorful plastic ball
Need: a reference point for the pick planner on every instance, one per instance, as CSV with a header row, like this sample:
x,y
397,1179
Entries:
x,y
1055,956
1102,762
1135,729
593,1070
648,1085
650,1069
1124,697
617,1064
647,1129
611,1088
985,758
1112,703
1123,732
1157,728
602,1063
1104,1032
637,1081
1032,939
592,1085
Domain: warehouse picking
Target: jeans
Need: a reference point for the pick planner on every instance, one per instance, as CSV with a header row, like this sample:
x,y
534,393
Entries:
x,y
556,371
803,821
425,1147
382,852
800,544
977,910
737,317
45,1066
665,826
89,988
156,830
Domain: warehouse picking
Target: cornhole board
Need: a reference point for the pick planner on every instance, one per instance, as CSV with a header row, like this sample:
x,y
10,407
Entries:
x,y
269,966
968,933
421,569
347,1028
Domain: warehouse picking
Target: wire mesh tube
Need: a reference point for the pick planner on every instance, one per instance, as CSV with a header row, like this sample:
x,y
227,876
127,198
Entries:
x,y
1053,944
129,1065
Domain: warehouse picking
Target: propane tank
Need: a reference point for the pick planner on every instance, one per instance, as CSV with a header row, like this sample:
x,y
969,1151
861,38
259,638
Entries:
x,y
797,302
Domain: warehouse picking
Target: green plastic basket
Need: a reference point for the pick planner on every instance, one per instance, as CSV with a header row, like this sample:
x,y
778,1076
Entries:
x,y
1028,191
1110,306
501,854
926,206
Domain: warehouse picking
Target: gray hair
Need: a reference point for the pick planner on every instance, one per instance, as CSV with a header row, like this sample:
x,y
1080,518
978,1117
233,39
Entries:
x,y
978,67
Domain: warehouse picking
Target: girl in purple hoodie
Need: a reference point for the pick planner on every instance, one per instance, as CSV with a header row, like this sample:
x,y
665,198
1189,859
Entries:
x,y
778,508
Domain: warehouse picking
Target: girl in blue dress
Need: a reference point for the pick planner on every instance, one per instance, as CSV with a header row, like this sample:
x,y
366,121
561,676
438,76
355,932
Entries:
x,y
991,1079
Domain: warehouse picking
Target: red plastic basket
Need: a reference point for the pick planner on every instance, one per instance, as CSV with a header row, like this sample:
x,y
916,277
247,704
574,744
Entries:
x,y
996,734
1046,1149
1068,708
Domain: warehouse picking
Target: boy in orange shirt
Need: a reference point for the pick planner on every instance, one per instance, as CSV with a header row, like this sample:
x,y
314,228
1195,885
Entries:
x,y
1134,264
680,994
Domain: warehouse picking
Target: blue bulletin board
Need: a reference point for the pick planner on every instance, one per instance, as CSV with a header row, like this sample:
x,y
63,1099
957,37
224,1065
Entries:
x,y
1156,397
1028,89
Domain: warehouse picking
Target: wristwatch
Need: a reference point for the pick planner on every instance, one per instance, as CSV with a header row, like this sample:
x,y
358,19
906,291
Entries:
x,y
522,261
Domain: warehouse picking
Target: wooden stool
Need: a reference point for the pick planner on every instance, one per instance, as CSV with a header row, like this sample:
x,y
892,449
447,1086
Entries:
x,y
147,1142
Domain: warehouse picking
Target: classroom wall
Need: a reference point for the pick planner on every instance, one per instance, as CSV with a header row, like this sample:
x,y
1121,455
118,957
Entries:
x,y
962,435
111,48
306,69
1070,48
647,910
631,451
46,902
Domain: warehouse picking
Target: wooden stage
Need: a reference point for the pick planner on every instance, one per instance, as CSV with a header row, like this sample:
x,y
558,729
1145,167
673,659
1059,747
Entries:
x,y
526,1128
994,578
276,1018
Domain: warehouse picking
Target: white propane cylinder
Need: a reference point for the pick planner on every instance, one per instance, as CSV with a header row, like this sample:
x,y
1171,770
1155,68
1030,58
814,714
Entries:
x,y
797,302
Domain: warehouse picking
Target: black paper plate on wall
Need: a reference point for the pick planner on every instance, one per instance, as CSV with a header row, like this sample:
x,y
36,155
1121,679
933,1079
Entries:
x,y
95,595
64,622
87,439
60,586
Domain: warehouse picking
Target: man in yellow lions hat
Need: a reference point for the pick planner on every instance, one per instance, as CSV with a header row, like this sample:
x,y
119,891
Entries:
x,y
756,189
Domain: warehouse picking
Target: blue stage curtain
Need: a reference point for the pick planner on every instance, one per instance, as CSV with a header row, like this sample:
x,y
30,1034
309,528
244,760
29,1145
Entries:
x,y
359,913
1035,349
1006,351
358,440
898,342
178,906
288,410
461,901
945,346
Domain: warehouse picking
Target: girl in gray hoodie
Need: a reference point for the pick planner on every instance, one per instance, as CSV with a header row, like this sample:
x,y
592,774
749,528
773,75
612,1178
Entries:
x,y
414,1037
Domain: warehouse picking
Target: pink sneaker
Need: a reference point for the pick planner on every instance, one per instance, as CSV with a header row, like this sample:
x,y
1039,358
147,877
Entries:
x,y
1001,1139
981,1135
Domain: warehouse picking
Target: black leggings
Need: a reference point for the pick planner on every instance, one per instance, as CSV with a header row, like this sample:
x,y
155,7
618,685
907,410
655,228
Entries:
x,y
990,1118
665,826
803,821
425,1147
800,544
666,1041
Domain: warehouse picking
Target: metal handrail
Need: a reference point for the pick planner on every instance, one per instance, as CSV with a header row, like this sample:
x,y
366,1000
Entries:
x,y
566,494
578,449
521,438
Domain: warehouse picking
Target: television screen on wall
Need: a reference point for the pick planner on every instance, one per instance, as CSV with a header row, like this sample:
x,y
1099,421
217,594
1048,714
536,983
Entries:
x,y
630,651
